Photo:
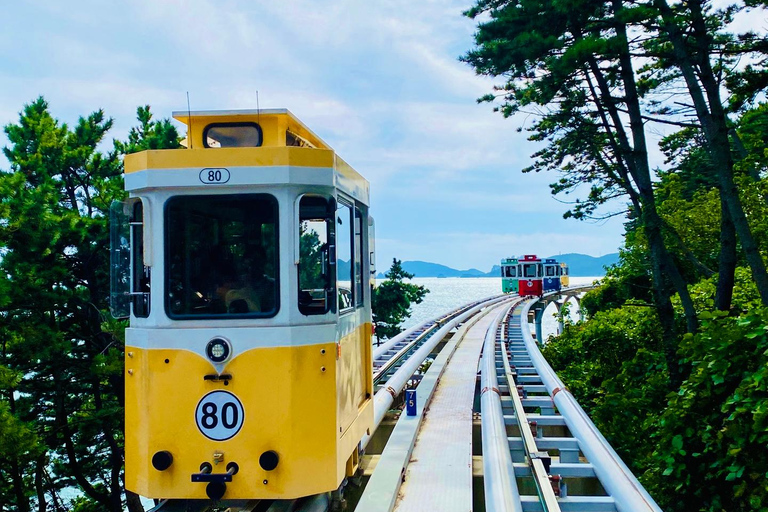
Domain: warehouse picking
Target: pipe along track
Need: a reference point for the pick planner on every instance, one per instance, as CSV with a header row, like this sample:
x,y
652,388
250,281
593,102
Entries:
x,y
560,459
540,450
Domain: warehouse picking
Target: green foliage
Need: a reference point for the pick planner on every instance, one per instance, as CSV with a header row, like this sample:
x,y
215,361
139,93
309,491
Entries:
x,y
311,255
589,353
392,300
61,359
149,134
610,295
711,443
574,65
702,446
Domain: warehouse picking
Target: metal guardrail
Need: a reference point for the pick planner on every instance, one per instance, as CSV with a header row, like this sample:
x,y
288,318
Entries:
x,y
499,483
427,328
384,397
540,474
618,481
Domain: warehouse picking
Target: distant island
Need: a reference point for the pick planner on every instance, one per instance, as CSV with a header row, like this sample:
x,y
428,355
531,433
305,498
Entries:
x,y
581,265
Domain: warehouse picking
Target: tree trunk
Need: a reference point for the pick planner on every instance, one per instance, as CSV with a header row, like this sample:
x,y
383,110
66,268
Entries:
x,y
727,261
42,506
662,264
133,502
711,115
22,501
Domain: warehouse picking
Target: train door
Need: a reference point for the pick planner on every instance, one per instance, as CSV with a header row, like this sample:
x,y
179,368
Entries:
x,y
354,343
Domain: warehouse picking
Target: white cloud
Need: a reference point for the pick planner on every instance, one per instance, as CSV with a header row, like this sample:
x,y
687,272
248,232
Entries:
x,y
380,82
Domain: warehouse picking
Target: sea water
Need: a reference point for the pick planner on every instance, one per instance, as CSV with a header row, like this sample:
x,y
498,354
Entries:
x,y
446,294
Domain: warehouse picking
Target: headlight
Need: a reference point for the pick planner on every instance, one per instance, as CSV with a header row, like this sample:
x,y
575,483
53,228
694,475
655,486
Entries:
x,y
218,350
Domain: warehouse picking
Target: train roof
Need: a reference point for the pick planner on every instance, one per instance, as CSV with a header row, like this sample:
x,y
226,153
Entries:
x,y
284,117
270,139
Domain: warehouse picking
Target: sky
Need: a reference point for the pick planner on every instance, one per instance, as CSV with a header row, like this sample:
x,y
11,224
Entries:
x,y
379,81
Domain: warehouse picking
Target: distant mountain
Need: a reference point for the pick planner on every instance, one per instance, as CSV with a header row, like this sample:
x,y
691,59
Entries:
x,y
580,265
426,269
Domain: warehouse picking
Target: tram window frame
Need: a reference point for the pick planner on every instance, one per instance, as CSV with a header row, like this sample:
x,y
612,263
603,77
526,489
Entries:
x,y
345,304
357,259
527,267
141,280
318,212
550,271
232,125
210,312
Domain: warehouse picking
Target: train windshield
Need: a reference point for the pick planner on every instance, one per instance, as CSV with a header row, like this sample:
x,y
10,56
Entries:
x,y
221,256
550,270
529,270
510,271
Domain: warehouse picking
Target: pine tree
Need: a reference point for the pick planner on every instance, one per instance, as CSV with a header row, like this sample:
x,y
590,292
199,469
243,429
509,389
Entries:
x,y
61,371
392,300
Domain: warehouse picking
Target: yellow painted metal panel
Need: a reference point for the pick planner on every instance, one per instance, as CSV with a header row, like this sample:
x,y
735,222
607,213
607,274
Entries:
x,y
228,157
273,126
289,406
352,376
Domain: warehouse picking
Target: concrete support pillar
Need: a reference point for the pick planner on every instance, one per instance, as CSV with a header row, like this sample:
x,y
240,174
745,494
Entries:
x,y
578,304
560,322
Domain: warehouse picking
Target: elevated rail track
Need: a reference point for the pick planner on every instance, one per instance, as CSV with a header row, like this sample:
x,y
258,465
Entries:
x,y
487,382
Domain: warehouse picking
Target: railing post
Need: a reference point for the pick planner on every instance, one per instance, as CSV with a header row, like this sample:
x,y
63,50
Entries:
x,y
537,320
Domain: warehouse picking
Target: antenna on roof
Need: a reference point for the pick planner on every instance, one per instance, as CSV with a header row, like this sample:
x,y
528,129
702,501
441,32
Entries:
x,y
189,124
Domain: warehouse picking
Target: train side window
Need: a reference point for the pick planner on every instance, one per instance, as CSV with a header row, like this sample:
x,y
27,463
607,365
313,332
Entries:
x,y
344,252
221,256
358,259
129,276
140,273
316,289
233,135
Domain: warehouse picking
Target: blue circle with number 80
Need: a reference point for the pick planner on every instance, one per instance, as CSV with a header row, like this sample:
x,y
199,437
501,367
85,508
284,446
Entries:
x,y
219,415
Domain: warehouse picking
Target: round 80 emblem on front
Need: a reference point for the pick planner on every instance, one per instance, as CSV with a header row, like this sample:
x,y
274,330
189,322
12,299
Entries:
x,y
219,415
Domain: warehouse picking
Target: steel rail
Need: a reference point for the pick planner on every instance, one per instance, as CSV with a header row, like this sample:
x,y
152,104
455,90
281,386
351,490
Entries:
x,y
382,491
499,483
615,477
429,328
394,340
540,475
388,344
392,361
384,397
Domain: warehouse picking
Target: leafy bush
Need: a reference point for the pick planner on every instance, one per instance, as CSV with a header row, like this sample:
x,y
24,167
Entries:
x,y
711,452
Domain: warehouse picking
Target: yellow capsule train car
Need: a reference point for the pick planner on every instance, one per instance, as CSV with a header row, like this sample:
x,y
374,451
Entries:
x,y
243,263
565,280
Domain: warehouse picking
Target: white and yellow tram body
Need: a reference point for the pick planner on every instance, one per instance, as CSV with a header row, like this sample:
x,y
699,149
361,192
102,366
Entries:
x,y
265,386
